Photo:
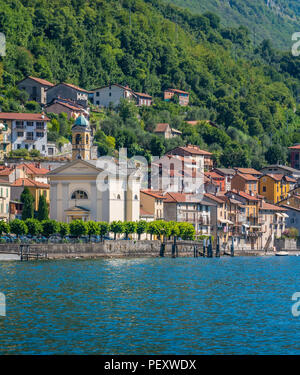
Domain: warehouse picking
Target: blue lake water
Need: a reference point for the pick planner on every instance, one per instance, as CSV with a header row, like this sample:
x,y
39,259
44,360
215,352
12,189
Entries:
x,y
151,306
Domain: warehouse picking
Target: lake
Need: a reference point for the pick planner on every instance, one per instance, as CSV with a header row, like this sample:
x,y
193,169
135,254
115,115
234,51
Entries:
x,y
185,306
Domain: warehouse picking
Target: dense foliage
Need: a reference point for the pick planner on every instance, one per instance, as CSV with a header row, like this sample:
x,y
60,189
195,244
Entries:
x,y
250,92
275,20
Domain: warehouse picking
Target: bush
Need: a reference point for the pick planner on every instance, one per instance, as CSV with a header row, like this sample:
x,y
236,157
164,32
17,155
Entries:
x,y
64,229
18,227
50,227
4,227
104,228
34,227
78,228
116,227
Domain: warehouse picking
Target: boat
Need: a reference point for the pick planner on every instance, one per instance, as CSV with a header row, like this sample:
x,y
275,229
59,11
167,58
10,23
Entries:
x,y
282,253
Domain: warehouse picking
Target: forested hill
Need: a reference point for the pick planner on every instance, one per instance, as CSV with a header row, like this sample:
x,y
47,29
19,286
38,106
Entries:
x,y
276,20
251,93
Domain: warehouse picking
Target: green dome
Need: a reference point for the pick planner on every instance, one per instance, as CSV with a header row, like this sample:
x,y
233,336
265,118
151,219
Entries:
x,y
81,121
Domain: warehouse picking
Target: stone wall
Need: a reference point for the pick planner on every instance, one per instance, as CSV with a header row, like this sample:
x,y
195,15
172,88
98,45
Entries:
x,y
285,244
118,248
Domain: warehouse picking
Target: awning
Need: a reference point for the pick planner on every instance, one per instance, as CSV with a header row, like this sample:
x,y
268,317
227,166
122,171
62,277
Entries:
x,y
225,221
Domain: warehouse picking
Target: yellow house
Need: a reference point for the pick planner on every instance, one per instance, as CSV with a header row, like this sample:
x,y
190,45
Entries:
x,y
36,188
275,187
152,202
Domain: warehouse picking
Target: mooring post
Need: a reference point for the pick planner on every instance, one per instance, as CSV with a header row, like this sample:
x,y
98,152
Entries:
x,y
218,247
204,243
21,252
162,249
232,247
209,248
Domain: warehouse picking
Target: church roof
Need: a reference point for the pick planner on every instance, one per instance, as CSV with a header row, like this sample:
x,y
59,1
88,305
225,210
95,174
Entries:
x,y
81,121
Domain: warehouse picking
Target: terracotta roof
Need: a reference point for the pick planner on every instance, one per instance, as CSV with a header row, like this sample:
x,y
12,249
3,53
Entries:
x,y
225,171
161,127
72,106
248,171
275,176
145,213
247,177
41,81
177,91
269,206
143,95
181,197
75,87
245,195
153,193
30,183
296,147
4,182
214,197
193,150
32,169
290,179
6,171
214,175
23,116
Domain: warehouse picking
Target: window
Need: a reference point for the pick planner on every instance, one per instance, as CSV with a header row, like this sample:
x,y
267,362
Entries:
x,y
97,102
136,197
20,134
109,94
79,194
264,189
18,146
43,147
26,146
29,136
97,93
29,123
39,134
118,196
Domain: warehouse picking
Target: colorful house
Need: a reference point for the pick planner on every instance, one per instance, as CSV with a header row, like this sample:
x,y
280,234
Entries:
x,y
36,189
275,187
245,182
183,96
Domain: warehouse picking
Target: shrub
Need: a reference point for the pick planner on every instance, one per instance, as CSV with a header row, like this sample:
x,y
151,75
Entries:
x,y
116,227
78,228
141,227
104,228
4,227
34,227
18,227
50,227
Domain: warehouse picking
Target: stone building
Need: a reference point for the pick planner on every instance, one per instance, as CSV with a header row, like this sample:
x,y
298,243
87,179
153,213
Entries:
x,y
36,88
70,92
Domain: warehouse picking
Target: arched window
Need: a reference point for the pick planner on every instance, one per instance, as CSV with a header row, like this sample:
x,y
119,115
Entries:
x,y
136,197
118,196
79,194
78,139
87,138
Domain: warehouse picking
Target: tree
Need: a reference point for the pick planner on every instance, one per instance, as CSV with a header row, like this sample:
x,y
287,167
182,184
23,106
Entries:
x,y
4,227
92,228
275,154
63,229
78,228
50,227
27,200
153,228
116,227
141,228
174,229
43,211
129,227
186,231
18,227
34,227
104,228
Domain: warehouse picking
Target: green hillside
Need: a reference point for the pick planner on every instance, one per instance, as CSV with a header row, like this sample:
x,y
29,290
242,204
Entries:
x,y
276,20
251,93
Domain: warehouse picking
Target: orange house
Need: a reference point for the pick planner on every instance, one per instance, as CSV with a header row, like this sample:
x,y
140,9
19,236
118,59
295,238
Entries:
x,y
217,179
246,183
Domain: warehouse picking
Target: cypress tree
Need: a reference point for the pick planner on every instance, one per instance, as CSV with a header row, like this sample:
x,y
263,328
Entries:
x,y
27,200
43,212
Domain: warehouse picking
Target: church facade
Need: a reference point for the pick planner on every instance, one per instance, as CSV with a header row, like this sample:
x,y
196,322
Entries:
x,y
82,190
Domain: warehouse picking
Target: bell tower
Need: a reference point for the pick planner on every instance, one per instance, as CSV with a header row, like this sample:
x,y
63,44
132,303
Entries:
x,y
81,139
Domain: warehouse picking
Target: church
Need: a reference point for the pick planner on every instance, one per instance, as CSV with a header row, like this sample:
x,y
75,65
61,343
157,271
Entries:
x,y
75,191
